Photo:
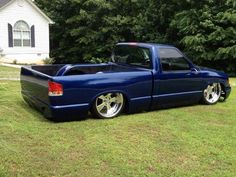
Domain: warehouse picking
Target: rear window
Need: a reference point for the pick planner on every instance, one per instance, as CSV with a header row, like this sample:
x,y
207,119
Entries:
x,y
133,55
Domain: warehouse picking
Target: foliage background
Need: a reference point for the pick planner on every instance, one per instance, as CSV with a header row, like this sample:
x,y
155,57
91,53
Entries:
x,y
87,30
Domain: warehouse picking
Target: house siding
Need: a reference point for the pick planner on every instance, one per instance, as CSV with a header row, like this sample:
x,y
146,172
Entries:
x,y
13,13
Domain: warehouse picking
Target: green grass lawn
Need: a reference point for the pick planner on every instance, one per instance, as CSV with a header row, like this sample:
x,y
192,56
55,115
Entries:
x,y
188,141
7,72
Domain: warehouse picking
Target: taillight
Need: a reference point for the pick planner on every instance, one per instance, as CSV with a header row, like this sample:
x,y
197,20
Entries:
x,y
55,89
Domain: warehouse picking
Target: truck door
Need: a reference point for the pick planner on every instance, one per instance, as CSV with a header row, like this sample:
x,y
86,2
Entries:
x,y
177,82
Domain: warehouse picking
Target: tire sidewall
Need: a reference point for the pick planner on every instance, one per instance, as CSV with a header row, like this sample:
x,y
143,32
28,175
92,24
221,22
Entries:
x,y
96,114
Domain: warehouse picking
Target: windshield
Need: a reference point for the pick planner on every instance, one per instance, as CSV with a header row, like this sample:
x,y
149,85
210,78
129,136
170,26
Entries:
x,y
132,55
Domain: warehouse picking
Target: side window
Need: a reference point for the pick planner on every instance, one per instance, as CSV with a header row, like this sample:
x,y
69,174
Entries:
x,y
172,60
133,55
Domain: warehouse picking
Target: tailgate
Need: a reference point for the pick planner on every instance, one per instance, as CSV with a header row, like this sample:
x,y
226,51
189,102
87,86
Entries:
x,y
34,87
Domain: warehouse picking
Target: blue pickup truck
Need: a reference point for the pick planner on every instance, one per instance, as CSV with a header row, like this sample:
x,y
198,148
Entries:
x,y
140,77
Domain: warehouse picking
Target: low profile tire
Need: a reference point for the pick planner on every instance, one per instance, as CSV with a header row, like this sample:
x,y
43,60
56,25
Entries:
x,y
108,105
212,93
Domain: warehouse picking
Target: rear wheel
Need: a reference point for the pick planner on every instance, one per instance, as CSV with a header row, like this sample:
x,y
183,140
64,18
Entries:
x,y
212,93
108,105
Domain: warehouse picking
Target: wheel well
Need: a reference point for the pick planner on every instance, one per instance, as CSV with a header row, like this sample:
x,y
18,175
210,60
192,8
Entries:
x,y
126,103
222,87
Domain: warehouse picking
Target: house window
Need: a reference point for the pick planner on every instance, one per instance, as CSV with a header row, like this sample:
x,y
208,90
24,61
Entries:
x,y
21,34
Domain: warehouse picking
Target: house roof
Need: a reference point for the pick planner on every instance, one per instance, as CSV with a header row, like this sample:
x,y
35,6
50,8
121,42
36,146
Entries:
x,y
4,3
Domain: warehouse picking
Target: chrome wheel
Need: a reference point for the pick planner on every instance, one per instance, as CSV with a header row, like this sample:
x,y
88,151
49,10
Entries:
x,y
212,93
109,105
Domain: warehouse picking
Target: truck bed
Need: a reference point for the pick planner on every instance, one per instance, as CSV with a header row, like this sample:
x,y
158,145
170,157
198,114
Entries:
x,y
67,70
81,85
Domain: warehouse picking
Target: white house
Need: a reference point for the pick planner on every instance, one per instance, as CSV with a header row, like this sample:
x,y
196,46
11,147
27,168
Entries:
x,y
24,32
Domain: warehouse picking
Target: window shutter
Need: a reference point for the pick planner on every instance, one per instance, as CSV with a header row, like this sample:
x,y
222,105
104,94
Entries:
x,y
32,36
10,35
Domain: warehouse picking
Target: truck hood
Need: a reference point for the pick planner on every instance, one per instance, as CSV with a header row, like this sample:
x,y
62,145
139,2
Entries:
x,y
213,72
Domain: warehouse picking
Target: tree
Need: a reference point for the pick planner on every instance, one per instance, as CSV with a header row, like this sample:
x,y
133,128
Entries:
x,y
87,30
207,32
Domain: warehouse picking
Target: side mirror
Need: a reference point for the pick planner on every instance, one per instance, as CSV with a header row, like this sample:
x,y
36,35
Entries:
x,y
194,70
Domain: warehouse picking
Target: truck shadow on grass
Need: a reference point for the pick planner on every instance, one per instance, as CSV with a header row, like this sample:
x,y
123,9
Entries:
x,y
37,114
34,113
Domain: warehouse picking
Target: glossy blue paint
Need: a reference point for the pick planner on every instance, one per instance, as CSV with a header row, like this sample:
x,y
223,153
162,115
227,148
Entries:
x,y
143,89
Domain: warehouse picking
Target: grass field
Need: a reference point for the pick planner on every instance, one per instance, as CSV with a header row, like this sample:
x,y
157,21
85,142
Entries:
x,y
6,72
188,141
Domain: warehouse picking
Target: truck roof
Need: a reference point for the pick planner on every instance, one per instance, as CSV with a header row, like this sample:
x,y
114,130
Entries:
x,y
145,44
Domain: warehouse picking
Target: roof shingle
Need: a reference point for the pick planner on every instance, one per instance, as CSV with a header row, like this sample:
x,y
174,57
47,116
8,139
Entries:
x,y
4,2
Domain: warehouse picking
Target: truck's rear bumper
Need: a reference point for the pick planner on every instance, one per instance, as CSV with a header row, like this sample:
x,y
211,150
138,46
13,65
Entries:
x,y
68,112
64,112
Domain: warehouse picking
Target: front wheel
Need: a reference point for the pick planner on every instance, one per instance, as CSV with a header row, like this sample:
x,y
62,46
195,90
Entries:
x,y
108,105
212,93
